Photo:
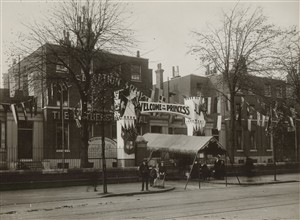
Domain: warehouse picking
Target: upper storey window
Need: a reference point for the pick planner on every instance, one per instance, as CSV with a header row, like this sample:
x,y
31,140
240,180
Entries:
x,y
136,72
268,90
279,91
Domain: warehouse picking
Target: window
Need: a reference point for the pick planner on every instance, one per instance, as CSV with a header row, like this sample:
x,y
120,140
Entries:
x,y
268,90
136,72
290,92
252,140
156,129
239,142
91,130
3,134
59,136
65,97
170,130
61,66
279,91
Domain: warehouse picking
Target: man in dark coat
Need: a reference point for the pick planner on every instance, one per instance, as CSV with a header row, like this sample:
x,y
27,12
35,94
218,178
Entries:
x,y
144,172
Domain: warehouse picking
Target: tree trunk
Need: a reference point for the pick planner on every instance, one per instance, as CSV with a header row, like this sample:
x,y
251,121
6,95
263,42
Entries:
x,y
232,127
84,163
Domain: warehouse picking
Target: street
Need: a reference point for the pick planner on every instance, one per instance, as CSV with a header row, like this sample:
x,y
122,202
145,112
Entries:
x,y
212,201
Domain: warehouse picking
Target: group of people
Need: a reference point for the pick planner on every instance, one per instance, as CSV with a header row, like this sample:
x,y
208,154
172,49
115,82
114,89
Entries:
x,y
219,168
153,176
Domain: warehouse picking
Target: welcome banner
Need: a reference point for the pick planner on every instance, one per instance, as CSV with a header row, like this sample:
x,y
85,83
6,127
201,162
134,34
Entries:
x,y
151,107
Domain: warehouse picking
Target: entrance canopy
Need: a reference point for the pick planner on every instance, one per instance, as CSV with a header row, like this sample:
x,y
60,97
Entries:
x,y
184,144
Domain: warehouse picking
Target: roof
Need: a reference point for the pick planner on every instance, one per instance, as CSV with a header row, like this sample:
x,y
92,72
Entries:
x,y
184,144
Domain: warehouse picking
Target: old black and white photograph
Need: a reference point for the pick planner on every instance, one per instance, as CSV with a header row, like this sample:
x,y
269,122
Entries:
x,y
149,109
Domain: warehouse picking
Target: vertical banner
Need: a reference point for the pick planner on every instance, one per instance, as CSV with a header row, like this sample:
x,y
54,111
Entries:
x,y
219,99
258,118
208,105
219,122
14,112
24,110
249,124
228,102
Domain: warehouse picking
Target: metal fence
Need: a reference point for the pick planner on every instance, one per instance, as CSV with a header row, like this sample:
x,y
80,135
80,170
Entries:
x,y
10,160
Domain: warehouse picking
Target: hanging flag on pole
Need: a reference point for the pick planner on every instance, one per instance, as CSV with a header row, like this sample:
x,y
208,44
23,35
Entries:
x,y
258,118
208,105
249,124
219,105
219,122
24,110
228,102
14,112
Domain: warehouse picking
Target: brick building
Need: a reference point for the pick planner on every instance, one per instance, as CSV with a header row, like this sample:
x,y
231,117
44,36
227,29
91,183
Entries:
x,y
252,105
46,145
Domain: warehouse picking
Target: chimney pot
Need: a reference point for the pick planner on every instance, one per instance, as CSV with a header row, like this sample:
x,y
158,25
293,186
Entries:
x,y
138,53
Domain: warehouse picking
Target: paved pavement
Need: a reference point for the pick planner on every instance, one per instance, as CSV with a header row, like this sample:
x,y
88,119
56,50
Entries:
x,y
129,189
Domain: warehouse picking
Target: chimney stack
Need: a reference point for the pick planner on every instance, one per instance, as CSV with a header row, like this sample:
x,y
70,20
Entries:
x,y
138,53
159,76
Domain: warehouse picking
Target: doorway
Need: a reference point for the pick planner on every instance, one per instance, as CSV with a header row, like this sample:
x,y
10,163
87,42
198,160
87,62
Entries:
x,y
25,139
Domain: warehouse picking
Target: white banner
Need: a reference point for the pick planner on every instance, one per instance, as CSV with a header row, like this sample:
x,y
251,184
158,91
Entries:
x,y
165,108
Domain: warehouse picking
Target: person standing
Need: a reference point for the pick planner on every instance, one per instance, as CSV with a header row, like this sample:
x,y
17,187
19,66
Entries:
x,y
93,180
144,172
153,176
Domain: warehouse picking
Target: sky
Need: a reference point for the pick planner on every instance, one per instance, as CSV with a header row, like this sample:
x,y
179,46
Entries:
x,y
162,28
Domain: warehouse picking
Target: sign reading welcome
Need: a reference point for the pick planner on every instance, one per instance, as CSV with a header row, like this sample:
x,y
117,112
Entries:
x,y
149,107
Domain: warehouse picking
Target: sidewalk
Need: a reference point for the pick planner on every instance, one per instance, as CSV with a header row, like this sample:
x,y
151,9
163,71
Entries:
x,y
129,189
259,180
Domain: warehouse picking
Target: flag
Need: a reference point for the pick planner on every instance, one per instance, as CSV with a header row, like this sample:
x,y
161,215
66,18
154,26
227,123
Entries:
x,y
249,124
24,110
242,102
219,105
208,105
14,112
219,122
263,118
291,122
258,118
228,102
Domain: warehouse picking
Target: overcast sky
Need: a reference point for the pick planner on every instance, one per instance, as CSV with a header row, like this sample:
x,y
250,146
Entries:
x,y
162,27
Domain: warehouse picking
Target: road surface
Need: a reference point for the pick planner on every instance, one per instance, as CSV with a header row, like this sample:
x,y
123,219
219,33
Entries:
x,y
273,201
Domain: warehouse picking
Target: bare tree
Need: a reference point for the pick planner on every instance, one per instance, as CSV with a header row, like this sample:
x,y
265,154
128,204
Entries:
x,y
288,61
75,38
241,46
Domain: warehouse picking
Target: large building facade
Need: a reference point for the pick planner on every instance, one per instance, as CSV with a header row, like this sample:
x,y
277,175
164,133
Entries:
x,y
46,140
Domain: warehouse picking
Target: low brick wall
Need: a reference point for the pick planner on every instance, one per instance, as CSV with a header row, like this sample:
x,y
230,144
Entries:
x,y
26,179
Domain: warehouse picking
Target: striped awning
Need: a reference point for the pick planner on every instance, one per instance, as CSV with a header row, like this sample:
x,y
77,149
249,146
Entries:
x,y
184,144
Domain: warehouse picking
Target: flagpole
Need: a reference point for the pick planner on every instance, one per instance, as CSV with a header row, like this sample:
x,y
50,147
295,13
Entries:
x,y
272,145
